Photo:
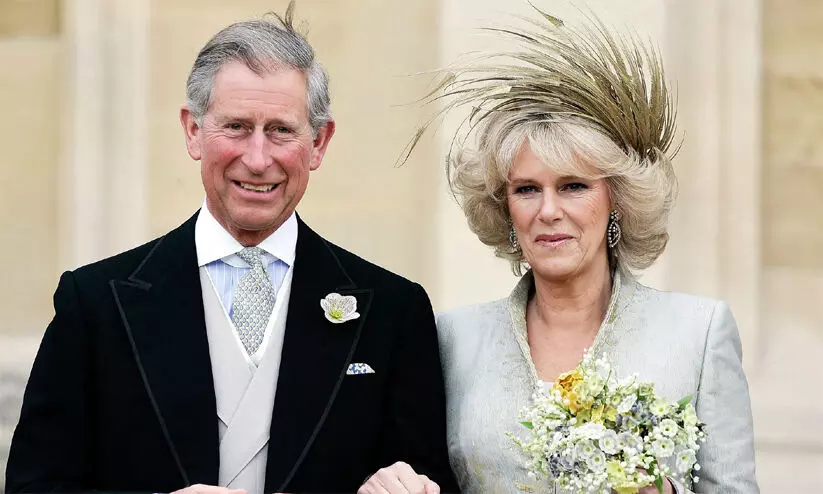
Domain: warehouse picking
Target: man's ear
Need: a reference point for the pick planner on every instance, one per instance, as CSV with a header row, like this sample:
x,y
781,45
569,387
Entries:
x,y
321,142
192,131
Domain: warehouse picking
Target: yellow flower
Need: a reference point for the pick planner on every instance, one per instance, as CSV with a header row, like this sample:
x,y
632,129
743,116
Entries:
x,y
622,482
567,381
611,413
618,477
566,384
597,414
573,401
583,403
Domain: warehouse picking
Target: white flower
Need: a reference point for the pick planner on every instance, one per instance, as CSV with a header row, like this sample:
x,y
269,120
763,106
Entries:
x,y
585,450
663,448
589,430
689,416
604,370
668,427
660,407
685,461
593,386
608,442
339,308
597,461
627,440
626,404
628,381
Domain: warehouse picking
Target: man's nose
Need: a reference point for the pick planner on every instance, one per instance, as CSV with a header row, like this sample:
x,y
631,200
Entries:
x,y
256,157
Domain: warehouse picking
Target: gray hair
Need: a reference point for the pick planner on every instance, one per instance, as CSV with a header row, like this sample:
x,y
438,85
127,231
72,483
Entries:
x,y
263,46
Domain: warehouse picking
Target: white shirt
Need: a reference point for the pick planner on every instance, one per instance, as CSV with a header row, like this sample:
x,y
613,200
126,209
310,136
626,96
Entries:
x,y
217,251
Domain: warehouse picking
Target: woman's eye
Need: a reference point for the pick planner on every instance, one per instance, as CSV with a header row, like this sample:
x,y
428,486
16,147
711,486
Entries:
x,y
525,189
575,186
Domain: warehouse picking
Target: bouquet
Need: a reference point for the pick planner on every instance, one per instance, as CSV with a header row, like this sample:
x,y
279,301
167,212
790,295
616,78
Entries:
x,y
593,433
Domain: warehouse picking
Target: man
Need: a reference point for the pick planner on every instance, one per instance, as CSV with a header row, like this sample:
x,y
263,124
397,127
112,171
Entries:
x,y
241,349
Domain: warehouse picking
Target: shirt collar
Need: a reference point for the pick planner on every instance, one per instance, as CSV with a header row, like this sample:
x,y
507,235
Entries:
x,y
213,242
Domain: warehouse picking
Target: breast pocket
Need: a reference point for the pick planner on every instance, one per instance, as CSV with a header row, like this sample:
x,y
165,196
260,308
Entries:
x,y
362,384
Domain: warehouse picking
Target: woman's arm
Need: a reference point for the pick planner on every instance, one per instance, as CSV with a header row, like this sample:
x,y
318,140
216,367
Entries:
x,y
727,457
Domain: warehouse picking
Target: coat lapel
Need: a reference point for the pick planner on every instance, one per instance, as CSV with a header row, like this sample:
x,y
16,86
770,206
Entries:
x,y
161,306
315,356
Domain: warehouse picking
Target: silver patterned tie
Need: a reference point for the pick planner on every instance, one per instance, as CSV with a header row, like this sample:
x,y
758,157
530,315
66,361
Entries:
x,y
253,300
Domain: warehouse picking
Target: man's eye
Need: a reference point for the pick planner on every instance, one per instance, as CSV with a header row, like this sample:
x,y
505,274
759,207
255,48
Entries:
x,y
235,126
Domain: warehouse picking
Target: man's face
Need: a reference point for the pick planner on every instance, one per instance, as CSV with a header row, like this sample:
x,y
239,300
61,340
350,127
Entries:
x,y
256,148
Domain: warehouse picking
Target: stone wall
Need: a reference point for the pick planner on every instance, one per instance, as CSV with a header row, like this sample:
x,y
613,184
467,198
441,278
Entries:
x,y
789,413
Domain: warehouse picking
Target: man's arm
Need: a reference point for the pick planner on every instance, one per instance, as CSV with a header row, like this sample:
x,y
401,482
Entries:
x,y
49,450
415,430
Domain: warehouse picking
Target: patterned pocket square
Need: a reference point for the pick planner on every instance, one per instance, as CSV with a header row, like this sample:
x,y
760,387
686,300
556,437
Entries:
x,y
359,368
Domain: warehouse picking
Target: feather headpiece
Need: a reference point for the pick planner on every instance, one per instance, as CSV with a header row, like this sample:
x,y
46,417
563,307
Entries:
x,y
592,76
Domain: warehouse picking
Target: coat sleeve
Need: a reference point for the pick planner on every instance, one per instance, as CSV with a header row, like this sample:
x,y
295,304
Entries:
x,y
49,450
727,456
416,428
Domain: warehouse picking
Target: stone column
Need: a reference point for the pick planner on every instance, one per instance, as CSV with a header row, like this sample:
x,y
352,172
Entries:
x,y
788,431
30,48
103,161
29,102
713,54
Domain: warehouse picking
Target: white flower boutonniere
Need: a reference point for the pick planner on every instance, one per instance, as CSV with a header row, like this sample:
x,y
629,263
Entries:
x,y
339,308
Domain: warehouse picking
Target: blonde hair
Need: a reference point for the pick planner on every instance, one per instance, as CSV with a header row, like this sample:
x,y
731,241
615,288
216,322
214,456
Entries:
x,y
642,191
581,97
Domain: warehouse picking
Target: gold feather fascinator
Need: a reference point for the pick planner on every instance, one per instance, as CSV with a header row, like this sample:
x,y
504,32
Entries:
x,y
611,82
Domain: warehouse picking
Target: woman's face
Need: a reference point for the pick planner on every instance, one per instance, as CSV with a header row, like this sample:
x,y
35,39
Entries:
x,y
560,221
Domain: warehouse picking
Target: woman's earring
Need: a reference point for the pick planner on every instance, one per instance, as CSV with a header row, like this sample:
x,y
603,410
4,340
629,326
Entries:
x,y
613,231
513,243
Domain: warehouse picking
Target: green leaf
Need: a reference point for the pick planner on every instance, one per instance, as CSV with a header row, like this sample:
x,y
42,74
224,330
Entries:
x,y
527,425
685,401
658,481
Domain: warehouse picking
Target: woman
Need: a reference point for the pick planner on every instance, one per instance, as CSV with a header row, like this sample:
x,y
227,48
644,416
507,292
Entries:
x,y
570,178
